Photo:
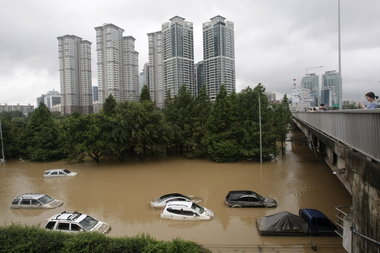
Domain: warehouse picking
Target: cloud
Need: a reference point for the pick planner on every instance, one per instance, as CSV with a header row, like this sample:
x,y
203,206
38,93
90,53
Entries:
x,y
275,41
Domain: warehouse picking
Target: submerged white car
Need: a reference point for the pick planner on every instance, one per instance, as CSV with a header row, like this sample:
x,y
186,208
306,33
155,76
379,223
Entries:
x,y
35,200
59,173
186,210
161,202
76,222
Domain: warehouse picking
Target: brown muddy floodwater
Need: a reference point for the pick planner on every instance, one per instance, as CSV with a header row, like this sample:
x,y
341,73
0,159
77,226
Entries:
x,y
119,194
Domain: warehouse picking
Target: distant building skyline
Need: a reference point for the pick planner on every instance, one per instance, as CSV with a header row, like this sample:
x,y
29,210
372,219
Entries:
x,y
24,109
50,99
74,56
331,80
311,82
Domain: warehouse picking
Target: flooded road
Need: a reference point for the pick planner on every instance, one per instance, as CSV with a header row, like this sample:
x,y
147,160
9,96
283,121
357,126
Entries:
x,y
119,194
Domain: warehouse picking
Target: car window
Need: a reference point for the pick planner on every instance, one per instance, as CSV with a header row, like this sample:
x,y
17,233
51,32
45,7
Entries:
x,y
54,173
197,208
50,225
25,202
15,201
175,211
188,213
67,171
61,173
88,222
45,199
75,227
249,199
63,226
35,202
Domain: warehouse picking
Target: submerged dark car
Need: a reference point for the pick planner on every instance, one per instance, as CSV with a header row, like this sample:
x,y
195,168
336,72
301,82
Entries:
x,y
246,198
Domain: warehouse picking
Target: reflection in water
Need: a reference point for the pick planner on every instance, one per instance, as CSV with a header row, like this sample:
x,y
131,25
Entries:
x,y
119,194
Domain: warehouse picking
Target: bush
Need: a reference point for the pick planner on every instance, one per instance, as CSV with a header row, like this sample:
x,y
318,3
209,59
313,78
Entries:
x,y
17,238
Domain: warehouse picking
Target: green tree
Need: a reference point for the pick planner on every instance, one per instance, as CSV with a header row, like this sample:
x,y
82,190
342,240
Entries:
x,y
178,112
149,135
95,142
73,130
145,94
42,137
200,113
13,126
109,106
221,146
282,116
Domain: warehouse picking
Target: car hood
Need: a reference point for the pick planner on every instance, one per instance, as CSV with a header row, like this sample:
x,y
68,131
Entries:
x,y
269,201
55,203
209,213
101,227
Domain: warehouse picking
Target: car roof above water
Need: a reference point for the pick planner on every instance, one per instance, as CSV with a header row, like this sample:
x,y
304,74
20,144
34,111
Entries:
x,y
187,204
54,170
30,196
69,216
172,195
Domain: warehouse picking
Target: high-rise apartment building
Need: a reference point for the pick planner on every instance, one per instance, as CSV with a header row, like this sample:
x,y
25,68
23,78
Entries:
x,y
311,82
75,74
331,80
117,63
178,55
155,68
218,56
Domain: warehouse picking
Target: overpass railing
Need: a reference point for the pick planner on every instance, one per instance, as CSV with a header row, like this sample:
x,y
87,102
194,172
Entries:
x,y
359,129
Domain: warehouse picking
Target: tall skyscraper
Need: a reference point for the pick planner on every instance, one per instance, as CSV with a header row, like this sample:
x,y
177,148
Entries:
x,y
117,63
218,56
155,68
178,55
75,74
331,80
311,82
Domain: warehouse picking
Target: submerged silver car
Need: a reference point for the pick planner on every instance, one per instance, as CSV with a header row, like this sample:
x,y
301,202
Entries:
x,y
161,202
35,200
76,222
59,173
186,210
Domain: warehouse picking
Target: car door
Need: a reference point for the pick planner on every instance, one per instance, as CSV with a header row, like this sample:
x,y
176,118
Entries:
x,y
25,203
62,174
35,203
250,201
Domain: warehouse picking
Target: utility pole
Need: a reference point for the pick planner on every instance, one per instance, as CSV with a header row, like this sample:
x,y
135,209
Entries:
x,y
2,143
340,61
261,141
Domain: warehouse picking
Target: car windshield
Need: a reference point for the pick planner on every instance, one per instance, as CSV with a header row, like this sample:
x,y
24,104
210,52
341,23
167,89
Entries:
x,y
88,222
67,171
45,199
170,195
197,208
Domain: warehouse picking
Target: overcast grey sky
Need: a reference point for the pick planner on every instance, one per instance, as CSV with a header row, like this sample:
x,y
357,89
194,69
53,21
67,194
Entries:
x,y
275,40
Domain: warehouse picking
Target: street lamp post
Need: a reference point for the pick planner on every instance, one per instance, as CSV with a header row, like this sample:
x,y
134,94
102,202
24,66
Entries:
x,y
339,60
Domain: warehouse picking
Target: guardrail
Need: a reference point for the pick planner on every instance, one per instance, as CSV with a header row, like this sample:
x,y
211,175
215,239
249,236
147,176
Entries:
x,y
359,129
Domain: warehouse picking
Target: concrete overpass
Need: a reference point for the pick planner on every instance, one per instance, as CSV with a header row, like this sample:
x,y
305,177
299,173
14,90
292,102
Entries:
x,y
350,142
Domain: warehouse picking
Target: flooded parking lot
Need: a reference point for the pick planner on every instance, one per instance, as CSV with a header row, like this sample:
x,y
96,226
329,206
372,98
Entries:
x,y
119,194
